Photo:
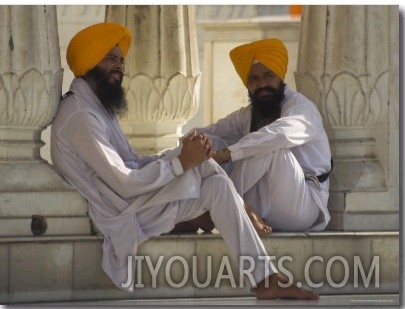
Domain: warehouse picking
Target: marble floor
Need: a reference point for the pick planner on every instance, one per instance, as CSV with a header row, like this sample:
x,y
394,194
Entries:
x,y
326,301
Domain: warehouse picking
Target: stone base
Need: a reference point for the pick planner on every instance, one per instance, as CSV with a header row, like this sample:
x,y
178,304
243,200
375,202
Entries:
x,y
46,269
36,189
363,211
362,222
357,175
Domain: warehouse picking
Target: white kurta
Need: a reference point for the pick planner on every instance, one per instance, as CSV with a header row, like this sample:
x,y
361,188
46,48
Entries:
x,y
131,197
269,164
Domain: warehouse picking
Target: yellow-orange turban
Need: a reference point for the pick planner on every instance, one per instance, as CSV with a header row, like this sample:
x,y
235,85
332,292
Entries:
x,y
90,45
269,52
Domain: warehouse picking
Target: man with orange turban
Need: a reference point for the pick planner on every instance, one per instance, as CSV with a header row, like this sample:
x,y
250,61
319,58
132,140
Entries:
x,y
132,198
277,150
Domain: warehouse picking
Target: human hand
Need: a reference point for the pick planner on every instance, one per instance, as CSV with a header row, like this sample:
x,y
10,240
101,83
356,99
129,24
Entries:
x,y
196,149
221,156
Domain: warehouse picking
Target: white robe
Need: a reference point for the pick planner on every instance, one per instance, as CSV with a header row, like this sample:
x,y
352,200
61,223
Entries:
x,y
131,197
269,164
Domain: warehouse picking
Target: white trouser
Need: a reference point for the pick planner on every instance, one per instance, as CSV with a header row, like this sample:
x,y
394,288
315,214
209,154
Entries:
x,y
274,185
219,196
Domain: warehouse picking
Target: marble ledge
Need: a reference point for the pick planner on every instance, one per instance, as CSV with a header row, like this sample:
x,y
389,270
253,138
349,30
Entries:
x,y
84,238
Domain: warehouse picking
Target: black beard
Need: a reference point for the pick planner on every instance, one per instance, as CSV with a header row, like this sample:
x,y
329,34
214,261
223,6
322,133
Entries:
x,y
266,109
111,95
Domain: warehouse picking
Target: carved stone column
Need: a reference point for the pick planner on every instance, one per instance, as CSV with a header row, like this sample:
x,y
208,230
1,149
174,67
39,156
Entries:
x,y
162,77
348,65
33,197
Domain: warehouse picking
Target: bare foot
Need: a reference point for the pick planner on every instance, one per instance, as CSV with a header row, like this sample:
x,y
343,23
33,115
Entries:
x,y
261,227
274,290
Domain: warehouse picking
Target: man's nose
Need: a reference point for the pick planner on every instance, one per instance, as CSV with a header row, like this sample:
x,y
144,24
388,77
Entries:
x,y
261,83
119,65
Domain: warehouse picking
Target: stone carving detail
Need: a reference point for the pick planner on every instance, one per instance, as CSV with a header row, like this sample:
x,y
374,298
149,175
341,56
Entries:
x,y
18,95
30,79
350,103
161,99
345,72
162,76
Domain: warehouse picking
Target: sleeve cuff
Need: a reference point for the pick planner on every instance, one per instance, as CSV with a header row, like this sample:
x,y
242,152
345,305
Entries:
x,y
236,154
176,167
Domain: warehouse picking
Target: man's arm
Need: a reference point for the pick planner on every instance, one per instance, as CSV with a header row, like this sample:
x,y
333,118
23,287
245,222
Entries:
x,y
231,128
299,124
88,136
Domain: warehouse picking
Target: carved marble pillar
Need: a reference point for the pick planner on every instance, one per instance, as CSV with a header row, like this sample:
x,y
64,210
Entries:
x,y
33,197
348,65
162,77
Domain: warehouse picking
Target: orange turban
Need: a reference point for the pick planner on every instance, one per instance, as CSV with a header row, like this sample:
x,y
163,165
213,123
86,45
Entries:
x,y
90,45
269,52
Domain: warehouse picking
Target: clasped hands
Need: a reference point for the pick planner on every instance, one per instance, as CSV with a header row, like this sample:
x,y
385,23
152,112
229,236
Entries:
x,y
197,148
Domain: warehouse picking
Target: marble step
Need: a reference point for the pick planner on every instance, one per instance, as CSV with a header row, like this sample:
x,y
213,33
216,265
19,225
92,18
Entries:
x,y
325,301
68,268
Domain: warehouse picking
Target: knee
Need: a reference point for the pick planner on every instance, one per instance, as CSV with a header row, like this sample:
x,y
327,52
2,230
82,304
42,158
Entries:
x,y
220,191
218,184
218,188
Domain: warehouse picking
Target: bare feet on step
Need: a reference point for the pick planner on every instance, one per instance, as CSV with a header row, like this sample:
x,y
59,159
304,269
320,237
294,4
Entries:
x,y
274,290
261,227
